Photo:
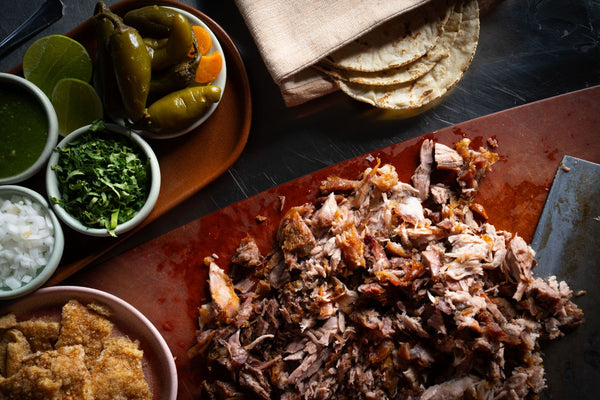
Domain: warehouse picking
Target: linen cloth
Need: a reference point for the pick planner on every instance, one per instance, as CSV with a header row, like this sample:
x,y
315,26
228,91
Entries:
x,y
293,35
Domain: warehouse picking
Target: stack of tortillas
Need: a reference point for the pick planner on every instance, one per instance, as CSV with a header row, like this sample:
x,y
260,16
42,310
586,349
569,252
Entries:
x,y
410,62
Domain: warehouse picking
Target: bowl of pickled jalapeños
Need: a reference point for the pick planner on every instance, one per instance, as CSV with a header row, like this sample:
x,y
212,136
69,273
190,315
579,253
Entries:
x,y
151,69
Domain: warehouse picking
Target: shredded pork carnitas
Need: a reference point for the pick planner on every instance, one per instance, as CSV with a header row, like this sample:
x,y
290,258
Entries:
x,y
385,290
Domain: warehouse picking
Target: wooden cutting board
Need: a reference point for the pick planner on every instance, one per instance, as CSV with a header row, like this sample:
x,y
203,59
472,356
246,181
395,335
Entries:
x,y
166,280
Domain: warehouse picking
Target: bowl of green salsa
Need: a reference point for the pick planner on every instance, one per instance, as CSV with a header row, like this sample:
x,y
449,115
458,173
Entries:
x,y
28,129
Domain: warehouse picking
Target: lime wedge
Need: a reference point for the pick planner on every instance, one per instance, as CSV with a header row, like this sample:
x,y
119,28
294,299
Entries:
x,y
76,103
55,57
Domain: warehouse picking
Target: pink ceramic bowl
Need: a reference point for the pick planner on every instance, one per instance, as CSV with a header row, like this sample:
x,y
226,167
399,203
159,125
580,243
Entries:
x,y
158,363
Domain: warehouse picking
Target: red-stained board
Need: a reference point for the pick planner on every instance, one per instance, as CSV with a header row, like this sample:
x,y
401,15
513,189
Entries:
x,y
166,280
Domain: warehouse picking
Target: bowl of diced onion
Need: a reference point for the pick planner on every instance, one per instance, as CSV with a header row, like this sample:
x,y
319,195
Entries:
x,y
31,241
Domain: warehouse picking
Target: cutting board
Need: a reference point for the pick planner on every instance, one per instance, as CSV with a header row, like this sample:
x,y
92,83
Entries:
x,y
166,280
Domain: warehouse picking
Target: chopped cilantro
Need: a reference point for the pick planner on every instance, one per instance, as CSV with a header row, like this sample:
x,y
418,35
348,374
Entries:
x,y
103,178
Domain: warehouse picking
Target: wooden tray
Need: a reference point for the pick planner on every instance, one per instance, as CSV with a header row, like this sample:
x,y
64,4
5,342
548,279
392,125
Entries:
x,y
166,280
188,163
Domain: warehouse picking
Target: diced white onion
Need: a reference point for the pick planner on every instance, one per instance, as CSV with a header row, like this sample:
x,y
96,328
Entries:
x,y
26,240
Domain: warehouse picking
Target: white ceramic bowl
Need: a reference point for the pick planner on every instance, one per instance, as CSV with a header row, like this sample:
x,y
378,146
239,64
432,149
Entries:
x,y
220,82
13,81
155,181
6,192
159,366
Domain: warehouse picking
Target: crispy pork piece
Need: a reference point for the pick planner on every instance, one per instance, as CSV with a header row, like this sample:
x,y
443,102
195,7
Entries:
x,y
80,325
5,339
67,370
337,184
100,309
17,349
447,158
30,383
422,177
220,390
41,334
518,263
222,292
452,389
352,247
118,373
78,358
295,235
476,164
247,254
8,321
440,193
383,290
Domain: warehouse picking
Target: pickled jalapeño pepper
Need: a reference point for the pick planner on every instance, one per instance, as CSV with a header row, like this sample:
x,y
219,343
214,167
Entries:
x,y
131,62
181,108
169,30
177,46
153,56
151,21
174,78
104,75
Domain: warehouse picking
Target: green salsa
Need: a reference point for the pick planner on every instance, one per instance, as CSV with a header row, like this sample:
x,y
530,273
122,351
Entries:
x,y
23,130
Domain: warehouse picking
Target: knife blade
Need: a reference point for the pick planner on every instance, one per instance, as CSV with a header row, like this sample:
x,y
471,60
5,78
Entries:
x,y
48,13
567,244
568,232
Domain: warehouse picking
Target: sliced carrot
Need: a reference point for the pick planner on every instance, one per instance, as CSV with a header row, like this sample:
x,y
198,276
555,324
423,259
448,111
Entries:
x,y
203,38
209,67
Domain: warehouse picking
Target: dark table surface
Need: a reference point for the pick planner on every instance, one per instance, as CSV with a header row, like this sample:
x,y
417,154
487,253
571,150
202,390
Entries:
x,y
528,50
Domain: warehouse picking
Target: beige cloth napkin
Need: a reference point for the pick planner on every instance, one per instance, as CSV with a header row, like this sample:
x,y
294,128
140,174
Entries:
x,y
292,35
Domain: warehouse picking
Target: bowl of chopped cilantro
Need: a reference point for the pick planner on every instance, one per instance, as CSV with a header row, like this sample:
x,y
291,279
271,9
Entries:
x,y
103,180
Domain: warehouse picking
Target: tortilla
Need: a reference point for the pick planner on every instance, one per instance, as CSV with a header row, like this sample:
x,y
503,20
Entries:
x,y
397,42
438,81
405,73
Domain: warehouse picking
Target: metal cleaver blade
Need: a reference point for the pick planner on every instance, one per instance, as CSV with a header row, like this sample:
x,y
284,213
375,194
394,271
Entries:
x,y
567,244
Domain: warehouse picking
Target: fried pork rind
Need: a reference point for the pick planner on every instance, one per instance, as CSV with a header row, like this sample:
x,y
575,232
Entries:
x,y
101,309
118,372
78,358
30,383
8,321
67,369
17,349
85,327
41,334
